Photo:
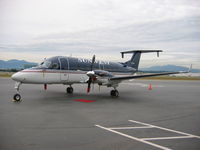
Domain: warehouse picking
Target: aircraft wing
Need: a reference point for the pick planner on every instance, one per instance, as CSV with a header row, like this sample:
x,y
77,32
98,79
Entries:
x,y
145,75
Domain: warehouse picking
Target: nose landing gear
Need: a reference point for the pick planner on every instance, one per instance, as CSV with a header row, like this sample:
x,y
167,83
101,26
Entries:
x,y
17,96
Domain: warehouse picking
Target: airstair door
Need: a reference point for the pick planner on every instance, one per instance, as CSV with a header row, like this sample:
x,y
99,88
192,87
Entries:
x,y
64,76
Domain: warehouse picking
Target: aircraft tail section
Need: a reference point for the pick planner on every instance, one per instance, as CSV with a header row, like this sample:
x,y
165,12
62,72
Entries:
x,y
135,59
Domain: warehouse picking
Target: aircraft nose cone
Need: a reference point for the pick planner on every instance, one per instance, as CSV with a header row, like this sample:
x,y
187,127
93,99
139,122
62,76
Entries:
x,y
14,76
17,76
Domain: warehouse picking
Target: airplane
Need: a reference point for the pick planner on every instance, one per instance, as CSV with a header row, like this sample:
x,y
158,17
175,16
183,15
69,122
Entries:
x,y
71,70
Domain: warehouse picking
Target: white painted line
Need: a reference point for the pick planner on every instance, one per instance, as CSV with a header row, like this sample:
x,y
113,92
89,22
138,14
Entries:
x,y
167,138
179,132
140,123
133,138
124,128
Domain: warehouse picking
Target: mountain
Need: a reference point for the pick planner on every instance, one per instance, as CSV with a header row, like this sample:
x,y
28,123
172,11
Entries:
x,y
21,64
169,68
16,64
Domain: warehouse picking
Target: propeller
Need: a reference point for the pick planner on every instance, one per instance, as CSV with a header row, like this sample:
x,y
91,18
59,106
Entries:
x,y
93,60
90,74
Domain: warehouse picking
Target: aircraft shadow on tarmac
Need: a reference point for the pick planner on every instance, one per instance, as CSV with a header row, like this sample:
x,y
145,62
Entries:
x,y
60,96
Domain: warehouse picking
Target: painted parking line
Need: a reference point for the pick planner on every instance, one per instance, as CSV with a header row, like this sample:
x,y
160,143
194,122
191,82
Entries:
x,y
147,140
166,129
124,128
168,138
133,138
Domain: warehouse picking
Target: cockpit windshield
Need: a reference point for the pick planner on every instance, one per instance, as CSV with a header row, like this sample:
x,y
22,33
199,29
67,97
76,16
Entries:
x,y
45,64
51,63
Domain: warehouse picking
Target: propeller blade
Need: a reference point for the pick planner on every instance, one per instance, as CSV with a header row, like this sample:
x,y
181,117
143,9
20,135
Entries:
x,y
89,84
88,89
93,60
90,74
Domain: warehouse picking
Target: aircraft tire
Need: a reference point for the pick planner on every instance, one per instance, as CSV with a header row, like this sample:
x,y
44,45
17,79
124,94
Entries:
x,y
70,90
17,97
114,93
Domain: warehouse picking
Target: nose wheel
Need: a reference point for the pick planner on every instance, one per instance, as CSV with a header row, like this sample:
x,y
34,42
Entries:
x,y
17,96
114,93
69,90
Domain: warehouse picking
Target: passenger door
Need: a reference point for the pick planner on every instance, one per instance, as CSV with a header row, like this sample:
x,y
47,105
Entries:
x,y
64,76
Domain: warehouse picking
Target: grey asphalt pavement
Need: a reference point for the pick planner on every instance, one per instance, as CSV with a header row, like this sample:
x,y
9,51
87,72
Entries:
x,y
53,119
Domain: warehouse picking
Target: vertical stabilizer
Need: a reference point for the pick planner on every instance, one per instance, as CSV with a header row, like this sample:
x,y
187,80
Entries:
x,y
135,59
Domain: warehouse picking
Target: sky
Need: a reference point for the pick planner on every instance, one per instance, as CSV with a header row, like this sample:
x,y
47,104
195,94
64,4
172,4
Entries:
x,y
36,29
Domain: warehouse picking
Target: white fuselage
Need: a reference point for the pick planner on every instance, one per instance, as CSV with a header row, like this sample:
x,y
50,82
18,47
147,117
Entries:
x,y
69,70
50,76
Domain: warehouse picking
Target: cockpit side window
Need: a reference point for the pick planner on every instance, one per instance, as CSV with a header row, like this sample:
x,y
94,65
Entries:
x,y
55,66
54,63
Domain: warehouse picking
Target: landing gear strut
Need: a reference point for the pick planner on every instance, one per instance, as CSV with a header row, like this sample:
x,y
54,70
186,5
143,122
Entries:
x,y
70,90
114,93
17,96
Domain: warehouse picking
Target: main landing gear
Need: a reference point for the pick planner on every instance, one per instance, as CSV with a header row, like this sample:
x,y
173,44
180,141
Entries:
x,y
17,96
114,93
70,90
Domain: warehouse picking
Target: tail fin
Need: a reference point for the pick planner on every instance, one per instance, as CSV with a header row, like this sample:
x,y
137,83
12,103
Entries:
x,y
135,59
189,70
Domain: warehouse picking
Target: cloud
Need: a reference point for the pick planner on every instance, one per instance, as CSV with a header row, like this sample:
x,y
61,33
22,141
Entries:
x,y
38,17
102,27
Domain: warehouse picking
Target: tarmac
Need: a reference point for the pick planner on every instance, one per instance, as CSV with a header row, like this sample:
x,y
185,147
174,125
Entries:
x,y
166,117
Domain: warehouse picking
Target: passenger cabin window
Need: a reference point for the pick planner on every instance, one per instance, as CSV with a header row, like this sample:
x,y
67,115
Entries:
x,y
84,66
73,63
108,67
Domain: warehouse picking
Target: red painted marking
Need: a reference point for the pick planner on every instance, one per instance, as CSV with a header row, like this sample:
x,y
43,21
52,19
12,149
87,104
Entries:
x,y
84,100
150,87
45,86
88,90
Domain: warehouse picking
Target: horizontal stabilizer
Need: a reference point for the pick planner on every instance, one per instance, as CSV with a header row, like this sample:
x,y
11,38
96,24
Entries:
x,y
140,51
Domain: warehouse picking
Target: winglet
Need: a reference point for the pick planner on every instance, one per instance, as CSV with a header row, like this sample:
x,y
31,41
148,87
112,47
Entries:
x,y
188,71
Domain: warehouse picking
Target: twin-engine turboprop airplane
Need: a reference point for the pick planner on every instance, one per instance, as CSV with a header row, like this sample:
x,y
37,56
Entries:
x,y
70,70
